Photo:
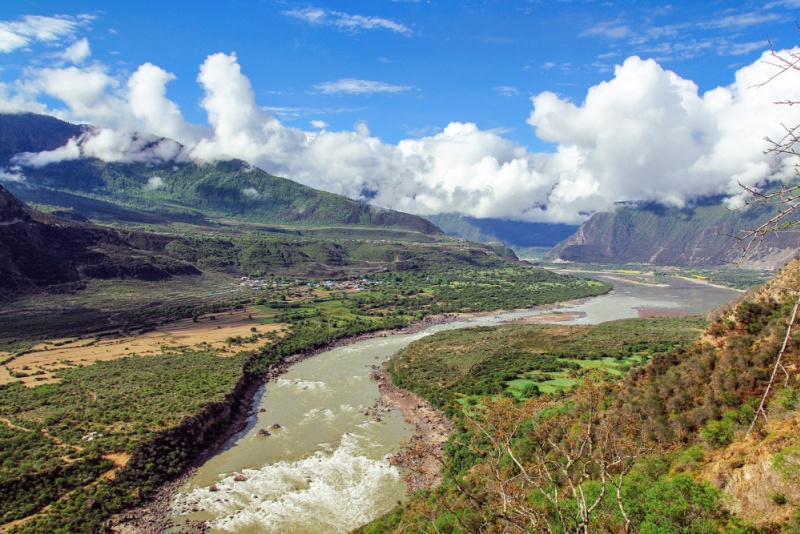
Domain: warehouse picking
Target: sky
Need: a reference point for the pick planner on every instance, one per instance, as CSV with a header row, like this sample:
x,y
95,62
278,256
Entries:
x,y
533,110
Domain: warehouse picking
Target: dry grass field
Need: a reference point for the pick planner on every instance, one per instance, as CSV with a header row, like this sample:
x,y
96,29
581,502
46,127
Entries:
x,y
212,331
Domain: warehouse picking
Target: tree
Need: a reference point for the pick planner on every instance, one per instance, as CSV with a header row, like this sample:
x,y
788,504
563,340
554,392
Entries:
x,y
787,198
549,466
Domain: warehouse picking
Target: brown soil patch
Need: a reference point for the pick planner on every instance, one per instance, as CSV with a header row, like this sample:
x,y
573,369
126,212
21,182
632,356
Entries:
x,y
209,331
119,459
652,311
745,471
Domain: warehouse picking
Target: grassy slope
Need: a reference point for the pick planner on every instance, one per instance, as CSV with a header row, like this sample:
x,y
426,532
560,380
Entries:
x,y
464,364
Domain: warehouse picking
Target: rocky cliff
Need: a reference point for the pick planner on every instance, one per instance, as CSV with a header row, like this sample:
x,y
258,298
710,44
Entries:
x,y
697,236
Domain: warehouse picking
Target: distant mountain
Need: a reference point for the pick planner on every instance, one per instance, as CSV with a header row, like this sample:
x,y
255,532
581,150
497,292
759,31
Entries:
x,y
696,236
176,191
39,250
514,234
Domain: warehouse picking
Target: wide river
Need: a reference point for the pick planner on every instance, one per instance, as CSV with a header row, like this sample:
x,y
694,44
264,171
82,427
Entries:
x,y
325,467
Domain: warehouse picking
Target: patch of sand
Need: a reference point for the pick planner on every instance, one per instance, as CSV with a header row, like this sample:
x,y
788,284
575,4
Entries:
x,y
555,317
211,331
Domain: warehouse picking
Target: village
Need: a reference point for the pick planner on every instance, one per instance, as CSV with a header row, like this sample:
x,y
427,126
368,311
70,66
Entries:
x,y
250,282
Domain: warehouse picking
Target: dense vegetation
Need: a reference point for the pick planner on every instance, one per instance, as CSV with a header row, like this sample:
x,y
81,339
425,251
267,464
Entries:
x,y
62,431
663,450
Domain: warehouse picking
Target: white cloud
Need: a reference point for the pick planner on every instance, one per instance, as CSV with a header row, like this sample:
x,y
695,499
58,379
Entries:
x,y
319,125
77,52
645,134
87,92
346,21
648,135
354,86
608,29
149,104
12,176
34,28
154,182
70,151
251,192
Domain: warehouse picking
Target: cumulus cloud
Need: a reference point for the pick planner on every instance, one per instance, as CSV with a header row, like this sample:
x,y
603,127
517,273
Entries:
x,y
346,21
648,134
148,102
645,134
319,125
355,86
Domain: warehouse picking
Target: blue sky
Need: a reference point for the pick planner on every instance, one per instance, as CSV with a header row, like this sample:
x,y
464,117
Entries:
x,y
395,85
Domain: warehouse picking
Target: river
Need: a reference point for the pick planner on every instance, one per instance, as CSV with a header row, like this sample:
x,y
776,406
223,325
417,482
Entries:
x,y
325,466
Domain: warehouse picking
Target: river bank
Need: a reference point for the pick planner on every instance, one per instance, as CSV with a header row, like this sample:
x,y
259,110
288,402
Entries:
x,y
153,515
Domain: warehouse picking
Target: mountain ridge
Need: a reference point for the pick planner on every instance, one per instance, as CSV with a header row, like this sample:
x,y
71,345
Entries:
x,y
177,190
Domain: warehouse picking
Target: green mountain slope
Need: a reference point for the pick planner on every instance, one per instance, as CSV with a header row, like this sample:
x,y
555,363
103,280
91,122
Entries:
x,y
698,236
178,191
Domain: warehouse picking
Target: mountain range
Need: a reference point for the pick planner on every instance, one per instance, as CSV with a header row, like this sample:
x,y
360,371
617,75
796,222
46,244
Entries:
x,y
159,187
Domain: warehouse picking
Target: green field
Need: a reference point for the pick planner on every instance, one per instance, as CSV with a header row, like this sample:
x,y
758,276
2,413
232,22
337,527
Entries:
x,y
463,365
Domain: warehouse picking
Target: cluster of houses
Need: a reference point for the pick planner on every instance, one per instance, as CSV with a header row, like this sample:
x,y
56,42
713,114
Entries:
x,y
351,285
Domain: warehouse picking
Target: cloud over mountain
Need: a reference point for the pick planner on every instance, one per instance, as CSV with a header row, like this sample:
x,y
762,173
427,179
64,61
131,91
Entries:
x,y
644,134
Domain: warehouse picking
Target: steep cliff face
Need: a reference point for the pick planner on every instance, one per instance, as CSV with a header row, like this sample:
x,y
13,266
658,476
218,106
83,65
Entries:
x,y
699,236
